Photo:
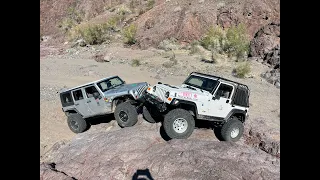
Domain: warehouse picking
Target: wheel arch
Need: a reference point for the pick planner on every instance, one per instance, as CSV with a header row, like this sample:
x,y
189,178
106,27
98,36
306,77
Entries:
x,y
240,114
187,105
119,99
72,111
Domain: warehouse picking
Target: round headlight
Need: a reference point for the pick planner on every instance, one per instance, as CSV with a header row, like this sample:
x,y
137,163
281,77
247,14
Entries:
x,y
167,94
134,92
154,88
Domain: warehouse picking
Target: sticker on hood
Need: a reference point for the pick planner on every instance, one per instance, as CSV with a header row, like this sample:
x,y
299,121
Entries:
x,y
188,95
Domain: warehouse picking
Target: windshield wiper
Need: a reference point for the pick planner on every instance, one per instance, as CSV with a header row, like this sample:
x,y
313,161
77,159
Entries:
x,y
194,88
189,87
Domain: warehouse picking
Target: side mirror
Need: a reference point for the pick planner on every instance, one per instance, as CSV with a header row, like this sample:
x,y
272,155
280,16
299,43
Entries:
x,y
216,97
124,82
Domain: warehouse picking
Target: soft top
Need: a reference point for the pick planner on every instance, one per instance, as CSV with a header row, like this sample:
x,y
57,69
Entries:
x,y
65,90
217,78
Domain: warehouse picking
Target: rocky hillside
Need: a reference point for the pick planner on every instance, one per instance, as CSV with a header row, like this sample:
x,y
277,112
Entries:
x,y
156,22
159,40
184,20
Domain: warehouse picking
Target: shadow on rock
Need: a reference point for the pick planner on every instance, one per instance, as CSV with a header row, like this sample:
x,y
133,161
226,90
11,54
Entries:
x,y
142,175
101,119
163,134
199,124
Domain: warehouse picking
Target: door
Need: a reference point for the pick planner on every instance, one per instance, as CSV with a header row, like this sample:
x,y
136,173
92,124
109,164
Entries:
x,y
220,104
80,103
95,100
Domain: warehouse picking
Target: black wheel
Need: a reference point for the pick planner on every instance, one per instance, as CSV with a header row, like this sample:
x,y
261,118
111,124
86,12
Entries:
x,y
77,124
232,130
178,124
151,115
126,114
217,133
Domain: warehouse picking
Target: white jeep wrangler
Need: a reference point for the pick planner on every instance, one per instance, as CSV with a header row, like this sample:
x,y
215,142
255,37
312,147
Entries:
x,y
203,97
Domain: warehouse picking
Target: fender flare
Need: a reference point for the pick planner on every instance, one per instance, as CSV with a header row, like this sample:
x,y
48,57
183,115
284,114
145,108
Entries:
x,y
236,111
186,102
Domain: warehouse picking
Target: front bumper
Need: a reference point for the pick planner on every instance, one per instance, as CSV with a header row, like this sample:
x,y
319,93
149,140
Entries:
x,y
153,101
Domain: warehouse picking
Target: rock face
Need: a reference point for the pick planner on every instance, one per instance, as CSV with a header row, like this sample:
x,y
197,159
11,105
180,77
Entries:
x,y
256,135
266,44
186,20
193,18
273,57
273,77
123,154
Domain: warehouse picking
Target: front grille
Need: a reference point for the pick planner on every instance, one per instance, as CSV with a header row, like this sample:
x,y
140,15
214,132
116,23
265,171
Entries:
x,y
160,93
141,89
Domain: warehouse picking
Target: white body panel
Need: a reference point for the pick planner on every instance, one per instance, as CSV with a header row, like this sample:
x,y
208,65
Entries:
x,y
206,103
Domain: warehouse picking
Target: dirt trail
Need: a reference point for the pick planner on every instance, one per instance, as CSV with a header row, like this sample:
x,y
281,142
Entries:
x,y
58,71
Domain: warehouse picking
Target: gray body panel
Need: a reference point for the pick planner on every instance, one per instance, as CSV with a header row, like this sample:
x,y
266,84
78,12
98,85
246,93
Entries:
x,y
91,106
126,89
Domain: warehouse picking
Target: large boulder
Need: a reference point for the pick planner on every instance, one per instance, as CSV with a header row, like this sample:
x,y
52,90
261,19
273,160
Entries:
x,y
273,57
266,40
124,153
265,46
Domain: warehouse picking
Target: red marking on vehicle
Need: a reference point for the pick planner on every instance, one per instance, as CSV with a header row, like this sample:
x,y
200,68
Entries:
x,y
188,95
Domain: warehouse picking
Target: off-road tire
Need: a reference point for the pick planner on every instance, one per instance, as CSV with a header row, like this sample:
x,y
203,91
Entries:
x,y
126,114
169,119
77,124
152,117
217,133
232,124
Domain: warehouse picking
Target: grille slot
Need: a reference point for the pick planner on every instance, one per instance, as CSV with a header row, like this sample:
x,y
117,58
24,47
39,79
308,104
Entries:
x,y
160,93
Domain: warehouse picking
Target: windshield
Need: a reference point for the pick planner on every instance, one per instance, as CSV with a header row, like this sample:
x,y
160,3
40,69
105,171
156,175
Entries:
x,y
110,83
201,83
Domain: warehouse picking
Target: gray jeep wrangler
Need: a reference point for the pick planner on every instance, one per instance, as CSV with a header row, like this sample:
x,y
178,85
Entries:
x,y
201,96
104,96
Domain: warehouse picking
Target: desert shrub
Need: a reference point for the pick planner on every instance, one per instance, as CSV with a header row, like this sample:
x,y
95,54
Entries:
x,y
242,69
134,3
91,33
169,44
237,41
73,18
233,41
172,61
214,39
99,57
130,34
123,10
77,16
150,4
114,21
194,47
169,64
135,62
141,11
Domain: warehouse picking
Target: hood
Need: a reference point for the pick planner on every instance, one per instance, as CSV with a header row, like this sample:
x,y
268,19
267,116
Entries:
x,y
181,88
181,92
125,88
